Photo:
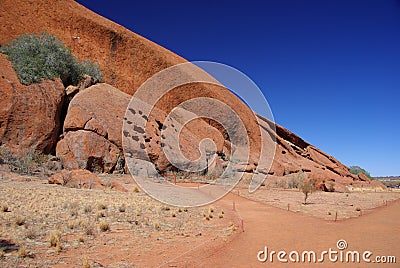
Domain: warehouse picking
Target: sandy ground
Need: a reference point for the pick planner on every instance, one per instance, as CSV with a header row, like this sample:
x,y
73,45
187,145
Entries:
x,y
282,230
142,231
146,233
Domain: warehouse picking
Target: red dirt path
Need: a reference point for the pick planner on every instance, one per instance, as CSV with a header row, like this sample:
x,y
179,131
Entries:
x,y
378,232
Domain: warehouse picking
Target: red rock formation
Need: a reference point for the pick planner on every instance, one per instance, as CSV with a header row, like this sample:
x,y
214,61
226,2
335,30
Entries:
x,y
29,115
92,129
79,178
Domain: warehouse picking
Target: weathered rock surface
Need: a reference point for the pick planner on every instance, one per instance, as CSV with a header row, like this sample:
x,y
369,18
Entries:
x,y
29,115
79,178
93,129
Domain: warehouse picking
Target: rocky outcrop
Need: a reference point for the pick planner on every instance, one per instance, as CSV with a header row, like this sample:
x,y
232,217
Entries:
x,y
126,59
294,155
79,178
29,115
92,130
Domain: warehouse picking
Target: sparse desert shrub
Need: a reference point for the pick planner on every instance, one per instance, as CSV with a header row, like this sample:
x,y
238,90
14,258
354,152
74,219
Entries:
x,y
30,234
43,56
20,221
135,190
100,214
59,246
28,164
23,252
166,208
4,208
306,185
292,183
173,214
156,225
85,263
357,170
104,226
2,254
221,215
358,209
71,225
102,206
87,209
81,240
54,238
122,208
74,213
89,230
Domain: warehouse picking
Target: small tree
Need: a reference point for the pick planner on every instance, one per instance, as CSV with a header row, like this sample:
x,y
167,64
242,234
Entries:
x,y
306,185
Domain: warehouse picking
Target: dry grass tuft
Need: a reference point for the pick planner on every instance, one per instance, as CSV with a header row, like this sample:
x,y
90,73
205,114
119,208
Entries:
x,y
122,208
23,252
20,221
104,226
86,263
54,238
101,206
2,254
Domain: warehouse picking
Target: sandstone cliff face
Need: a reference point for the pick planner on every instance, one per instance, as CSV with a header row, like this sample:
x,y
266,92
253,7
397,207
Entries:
x,y
92,130
29,115
126,58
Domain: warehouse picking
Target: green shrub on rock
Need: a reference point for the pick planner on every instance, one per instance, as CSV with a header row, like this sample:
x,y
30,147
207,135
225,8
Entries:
x,y
43,56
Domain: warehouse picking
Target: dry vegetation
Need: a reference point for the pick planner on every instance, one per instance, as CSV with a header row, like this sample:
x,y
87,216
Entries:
x,y
48,225
356,202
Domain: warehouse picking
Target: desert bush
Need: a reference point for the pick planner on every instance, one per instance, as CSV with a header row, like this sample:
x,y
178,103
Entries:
x,y
4,208
100,214
20,221
102,206
23,252
306,185
31,234
357,170
292,183
86,263
88,229
87,209
44,56
54,238
122,208
30,162
104,226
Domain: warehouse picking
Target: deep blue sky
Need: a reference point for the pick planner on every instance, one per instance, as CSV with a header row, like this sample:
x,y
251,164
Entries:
x,y
330,70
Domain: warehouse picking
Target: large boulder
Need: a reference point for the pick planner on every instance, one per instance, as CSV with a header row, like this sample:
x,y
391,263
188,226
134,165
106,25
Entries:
x,y
79,178
92,137
29,115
